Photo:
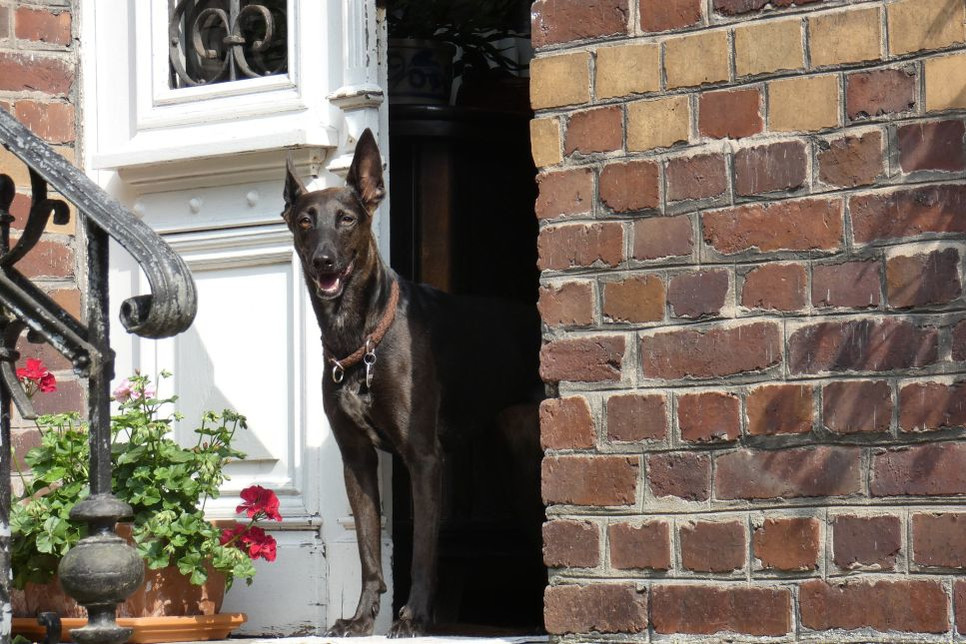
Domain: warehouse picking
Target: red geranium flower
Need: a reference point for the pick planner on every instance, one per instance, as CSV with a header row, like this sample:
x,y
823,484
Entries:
x,y
35,377
48,383
229,534
258,500
35,370
259,503
252,540
259,544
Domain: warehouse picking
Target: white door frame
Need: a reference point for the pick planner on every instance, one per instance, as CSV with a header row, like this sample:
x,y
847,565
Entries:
x,y
203,166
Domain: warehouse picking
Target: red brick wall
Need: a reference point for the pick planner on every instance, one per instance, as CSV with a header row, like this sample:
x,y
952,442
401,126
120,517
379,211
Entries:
x,y
38,85
753,230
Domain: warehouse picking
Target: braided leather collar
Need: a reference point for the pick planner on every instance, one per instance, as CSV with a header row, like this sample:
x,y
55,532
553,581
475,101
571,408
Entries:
x,y
368,349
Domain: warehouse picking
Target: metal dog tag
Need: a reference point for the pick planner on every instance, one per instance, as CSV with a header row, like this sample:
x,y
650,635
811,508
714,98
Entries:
x,y
370,360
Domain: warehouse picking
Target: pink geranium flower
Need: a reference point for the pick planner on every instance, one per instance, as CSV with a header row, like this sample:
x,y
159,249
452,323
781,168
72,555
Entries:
x,y
122,393
126,390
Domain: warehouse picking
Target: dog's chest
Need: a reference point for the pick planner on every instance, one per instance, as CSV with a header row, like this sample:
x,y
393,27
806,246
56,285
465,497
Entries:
x,y
356,403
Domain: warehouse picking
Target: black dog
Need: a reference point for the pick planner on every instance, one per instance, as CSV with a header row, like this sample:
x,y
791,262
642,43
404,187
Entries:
x,y
408,368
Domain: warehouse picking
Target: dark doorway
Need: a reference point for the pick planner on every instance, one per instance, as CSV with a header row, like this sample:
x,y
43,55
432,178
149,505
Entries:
x,y
462,219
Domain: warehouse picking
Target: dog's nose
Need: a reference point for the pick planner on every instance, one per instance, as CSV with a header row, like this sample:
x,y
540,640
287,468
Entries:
x,y
323,262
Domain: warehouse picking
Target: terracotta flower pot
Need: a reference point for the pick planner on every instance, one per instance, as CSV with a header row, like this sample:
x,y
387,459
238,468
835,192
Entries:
x,y
165,592
168,592
166,608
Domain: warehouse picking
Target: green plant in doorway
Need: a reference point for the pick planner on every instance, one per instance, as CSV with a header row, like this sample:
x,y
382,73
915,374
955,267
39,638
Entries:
x,y
475,26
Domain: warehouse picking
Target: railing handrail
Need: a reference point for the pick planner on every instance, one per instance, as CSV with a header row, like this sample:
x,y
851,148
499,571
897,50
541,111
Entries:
x,y
171,306
101,569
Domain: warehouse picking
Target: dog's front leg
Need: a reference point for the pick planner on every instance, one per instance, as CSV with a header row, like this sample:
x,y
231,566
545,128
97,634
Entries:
x,y
426,473
360,467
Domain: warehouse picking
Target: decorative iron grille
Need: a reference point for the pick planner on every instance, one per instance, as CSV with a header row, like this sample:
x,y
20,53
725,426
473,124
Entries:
x,y
101,570
217,41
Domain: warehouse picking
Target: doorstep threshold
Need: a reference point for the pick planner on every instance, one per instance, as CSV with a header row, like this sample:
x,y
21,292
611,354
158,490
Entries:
x,y
381,639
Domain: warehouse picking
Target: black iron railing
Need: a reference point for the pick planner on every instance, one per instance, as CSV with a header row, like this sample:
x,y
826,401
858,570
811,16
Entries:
x,y
102,570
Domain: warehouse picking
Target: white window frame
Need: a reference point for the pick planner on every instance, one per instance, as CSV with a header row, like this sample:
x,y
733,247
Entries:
x,y
155,94
286,110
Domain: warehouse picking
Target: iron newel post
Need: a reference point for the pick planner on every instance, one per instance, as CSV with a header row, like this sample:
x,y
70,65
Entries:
x,y
102,569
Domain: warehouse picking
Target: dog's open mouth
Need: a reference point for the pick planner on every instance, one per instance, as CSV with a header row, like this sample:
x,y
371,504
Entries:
x,y
330,285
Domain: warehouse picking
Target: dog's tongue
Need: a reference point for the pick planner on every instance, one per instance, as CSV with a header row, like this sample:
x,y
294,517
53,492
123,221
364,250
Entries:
x,y
330,283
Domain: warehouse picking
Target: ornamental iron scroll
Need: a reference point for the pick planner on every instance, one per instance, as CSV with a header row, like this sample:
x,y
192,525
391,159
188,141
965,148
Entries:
x,y
101,570
217,41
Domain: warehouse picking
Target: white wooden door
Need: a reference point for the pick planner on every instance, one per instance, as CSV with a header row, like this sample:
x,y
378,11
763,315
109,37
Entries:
x,y
204,166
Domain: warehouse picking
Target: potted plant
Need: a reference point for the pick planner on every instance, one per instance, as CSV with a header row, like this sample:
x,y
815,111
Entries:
x,y
189,561
425,35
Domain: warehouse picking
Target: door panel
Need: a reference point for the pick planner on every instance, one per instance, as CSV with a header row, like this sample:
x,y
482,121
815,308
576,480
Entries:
x,y
245,320
245,352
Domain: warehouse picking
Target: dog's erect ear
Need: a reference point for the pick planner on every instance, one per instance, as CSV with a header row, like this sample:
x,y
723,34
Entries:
x,y
294,188
365,173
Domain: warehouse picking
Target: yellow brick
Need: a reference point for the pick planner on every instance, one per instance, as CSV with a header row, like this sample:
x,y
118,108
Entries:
x,y
71,226
67,152
14,168
657,124
69,300
925,24
850,36
556,81
946,83
769,47
803,104
628,69
696,59
545,141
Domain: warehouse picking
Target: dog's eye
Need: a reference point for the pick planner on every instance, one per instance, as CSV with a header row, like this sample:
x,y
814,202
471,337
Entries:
x,y
346,218
305,222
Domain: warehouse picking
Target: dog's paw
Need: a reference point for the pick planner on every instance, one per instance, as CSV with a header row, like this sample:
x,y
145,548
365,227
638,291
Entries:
x,y
350,628
408,625
405,628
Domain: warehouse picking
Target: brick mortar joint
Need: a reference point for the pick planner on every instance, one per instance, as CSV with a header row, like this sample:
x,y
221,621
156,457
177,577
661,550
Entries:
x,y
866,506
50,52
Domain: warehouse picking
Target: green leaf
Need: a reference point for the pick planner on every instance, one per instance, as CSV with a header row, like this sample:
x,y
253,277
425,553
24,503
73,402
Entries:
x,y
151,496
45,543
131,455
199,576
